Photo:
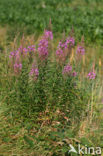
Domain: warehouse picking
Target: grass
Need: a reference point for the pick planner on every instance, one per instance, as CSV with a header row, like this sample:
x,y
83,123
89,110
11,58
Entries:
x,y
50,131
84,15
50,134
19,138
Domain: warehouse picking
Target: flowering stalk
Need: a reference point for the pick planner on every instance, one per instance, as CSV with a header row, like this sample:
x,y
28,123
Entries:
x,y
43,49
68,71
91,75
64,49
43,45
17,64
17,67
80,50
48,35
34,73
74,74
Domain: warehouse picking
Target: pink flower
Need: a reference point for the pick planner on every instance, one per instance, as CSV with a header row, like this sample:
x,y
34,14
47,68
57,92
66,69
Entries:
x,y
34,72
20,48
91,75
80,50
25,50
17,67
70,41
43,49
74,74
31,48
62,45
13,54
59,51
67,69
48,34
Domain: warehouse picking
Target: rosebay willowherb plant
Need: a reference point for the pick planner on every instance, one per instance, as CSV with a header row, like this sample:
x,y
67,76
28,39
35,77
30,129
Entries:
x,y
42,78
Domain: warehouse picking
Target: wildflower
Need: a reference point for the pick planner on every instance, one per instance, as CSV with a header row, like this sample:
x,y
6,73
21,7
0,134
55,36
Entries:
x,y
12,54
34,73
63,48
67,69
24,51
62,45
17,67
61,55
31,48
48,34
21,49
91,75
80,50
70,41
43,48
17,62
74,74
59,51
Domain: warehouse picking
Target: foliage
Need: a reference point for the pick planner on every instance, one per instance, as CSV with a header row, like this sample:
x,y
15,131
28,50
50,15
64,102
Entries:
x,y
36,81
33,16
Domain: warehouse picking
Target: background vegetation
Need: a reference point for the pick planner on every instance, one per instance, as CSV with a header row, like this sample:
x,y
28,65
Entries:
x,y
33,16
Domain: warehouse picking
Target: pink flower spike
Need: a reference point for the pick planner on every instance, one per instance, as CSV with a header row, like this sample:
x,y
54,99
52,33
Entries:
x,y
43,49
48,34
34,73
59,52
17,67
74,74
12,54
80,50
67,69
70,41
31,48
91,75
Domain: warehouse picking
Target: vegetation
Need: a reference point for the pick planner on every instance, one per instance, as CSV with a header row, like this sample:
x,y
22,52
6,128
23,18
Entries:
x,y
31,16
51,85
44,96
